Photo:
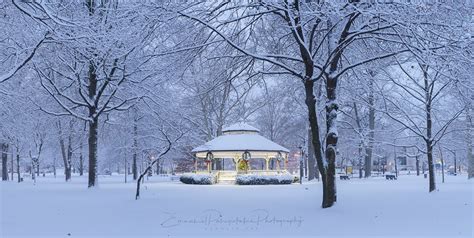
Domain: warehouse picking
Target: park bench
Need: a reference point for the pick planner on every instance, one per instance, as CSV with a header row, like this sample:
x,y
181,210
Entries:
x,y
344,177
390,177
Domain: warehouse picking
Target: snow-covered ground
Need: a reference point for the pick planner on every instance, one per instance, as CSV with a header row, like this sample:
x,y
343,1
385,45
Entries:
x,y
368,207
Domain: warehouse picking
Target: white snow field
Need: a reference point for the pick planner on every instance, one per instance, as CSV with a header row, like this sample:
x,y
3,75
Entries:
x,y
366,208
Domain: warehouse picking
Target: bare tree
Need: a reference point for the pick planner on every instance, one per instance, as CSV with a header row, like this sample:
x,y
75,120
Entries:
x,y
424,86
4,147
88,81
316,43
169,143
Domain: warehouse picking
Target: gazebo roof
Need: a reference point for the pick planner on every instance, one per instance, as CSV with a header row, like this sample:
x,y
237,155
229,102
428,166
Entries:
x,y
237,138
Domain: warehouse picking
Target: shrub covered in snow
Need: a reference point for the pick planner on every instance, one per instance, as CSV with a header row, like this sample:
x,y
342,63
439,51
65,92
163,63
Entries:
x,y
198,178
250,179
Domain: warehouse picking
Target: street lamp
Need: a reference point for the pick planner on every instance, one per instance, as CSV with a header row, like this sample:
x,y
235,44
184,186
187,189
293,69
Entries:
x,y
279,159
301,163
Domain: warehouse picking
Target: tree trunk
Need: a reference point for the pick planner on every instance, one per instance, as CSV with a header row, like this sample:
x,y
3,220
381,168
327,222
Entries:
x,y
428,139
12,165
33,177
67,173
93,136
69,153
312,169
315,137
65,153
81,159
370,146
135,150
37,168
368,162
4,147
455,165
142,175
125,169
305,162
368,166
32,169
331,137
54,167
18,163
429,149
94,123
360,161
332,107
470,131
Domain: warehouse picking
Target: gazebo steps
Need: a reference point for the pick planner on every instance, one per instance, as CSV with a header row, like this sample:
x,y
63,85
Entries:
x,y
226,181
227,177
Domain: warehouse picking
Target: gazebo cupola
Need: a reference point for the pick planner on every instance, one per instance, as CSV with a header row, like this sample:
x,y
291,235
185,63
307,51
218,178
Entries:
x,y
240,128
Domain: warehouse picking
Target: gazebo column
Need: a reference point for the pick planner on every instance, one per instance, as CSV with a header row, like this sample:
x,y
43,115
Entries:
x,y
195,164
267,162
236,162
285,161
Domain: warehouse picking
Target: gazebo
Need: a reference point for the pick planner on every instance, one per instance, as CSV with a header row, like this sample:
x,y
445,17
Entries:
x,y
241,143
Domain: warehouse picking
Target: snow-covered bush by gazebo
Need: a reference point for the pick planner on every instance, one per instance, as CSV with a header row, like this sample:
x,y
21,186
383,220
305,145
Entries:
x,y
252,179
198,178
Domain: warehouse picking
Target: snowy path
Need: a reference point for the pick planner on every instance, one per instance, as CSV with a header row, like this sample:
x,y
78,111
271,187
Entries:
x,y
375,207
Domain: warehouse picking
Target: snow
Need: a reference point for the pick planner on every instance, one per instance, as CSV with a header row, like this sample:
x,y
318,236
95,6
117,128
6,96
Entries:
x,y
240,142
368,207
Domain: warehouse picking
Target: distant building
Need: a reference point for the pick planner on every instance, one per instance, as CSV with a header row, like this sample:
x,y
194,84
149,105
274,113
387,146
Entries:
x,y
403,163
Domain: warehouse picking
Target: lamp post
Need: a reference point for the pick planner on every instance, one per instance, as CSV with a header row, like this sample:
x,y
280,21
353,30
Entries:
x,y
279,158
417,165
396,166
383,166
195,160
455,164
301,164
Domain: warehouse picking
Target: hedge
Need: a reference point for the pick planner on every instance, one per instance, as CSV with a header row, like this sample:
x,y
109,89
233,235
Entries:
x,y
198,178
249,179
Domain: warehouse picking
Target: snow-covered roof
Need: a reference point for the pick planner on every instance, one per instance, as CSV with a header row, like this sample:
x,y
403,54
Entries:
x,y
240,127
240,141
